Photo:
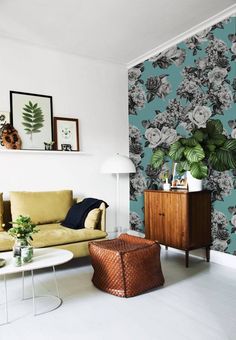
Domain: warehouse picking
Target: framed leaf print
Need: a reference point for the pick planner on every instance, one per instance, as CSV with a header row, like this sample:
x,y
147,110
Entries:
x,y
66,134
31,115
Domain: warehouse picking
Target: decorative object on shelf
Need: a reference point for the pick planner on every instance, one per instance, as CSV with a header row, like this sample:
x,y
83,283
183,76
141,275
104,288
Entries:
x,y
31,114
118,164
179,181
22,232
205,148
166,185
10,137
4,119
66,134
49,145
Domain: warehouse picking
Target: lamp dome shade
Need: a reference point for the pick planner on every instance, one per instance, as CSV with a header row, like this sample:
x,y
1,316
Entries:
x,y
118,164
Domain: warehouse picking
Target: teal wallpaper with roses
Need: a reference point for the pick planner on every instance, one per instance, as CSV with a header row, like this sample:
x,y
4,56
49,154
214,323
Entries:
x,y
172,93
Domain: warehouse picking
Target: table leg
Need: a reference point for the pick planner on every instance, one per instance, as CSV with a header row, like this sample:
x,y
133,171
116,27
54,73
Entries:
x,y
55,280
23,285
186,258
33,292
208,253
6,300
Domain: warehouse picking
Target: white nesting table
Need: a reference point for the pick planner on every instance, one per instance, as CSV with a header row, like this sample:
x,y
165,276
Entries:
x,y
43,258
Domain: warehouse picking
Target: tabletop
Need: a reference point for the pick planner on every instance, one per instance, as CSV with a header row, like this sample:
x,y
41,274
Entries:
x,y
43,258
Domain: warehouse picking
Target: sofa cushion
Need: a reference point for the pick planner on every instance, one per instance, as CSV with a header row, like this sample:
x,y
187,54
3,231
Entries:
x,y
55,234
6,241
1,212
93,218
42,207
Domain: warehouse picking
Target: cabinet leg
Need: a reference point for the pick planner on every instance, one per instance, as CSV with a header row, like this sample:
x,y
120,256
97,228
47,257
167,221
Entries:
x,y
186,258
166,247
208,254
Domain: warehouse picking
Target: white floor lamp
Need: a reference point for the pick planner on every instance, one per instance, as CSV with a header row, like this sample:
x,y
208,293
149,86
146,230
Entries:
x,y
118,164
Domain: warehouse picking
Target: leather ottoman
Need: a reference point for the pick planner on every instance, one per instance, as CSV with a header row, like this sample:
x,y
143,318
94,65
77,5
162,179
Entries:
x,y
126,266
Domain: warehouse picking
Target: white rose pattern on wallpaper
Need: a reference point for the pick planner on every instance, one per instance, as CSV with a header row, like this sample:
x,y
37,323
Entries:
x,y
170,94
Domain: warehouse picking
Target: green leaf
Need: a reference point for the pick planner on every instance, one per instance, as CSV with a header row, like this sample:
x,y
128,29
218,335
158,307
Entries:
x,y
33,118
199,135
179,168
198,170
157,158
27,110
214,127
37,120
230,144
27,119
227,158
194,154
218,140
28,125
185,165
37,126
176,151
29,115
215,163
191,141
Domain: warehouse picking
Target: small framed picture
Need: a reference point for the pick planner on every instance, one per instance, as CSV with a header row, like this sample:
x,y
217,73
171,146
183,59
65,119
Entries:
x,y
4,119
66,134
178,181
31,115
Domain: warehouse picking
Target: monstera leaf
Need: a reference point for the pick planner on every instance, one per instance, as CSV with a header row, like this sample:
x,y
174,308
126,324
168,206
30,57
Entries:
x,y
32,118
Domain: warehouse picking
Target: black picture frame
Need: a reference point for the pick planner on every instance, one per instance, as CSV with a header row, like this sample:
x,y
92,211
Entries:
x,y
31,115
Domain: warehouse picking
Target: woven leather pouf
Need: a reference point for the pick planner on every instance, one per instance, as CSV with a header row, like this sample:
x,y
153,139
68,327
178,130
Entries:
x,y
126,266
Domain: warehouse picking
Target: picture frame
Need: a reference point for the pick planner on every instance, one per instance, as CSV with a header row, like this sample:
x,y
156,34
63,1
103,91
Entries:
x,y
179,181
66,134
4,119
32,116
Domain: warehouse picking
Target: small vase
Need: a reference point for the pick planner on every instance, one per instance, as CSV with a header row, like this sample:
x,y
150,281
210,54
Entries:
x,y
27,254
194,184
17,250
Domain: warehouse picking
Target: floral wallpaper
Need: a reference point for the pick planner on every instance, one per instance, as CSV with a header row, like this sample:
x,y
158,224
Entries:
x,y
170,94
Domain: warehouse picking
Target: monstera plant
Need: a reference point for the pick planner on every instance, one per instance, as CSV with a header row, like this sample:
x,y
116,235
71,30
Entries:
x,y
206,148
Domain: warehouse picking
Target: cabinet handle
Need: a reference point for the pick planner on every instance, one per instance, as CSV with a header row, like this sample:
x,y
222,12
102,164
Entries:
x,y
161,214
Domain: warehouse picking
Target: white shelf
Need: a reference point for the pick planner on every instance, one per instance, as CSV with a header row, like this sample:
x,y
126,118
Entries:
x,y
54,152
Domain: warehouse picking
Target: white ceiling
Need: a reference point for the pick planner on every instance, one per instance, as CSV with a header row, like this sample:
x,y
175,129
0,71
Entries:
x,y
114,30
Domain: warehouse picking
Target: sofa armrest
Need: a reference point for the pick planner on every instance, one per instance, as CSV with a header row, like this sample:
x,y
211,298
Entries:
x,y
102,224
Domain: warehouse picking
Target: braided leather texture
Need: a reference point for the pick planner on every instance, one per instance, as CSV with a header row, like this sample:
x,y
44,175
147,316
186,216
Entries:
x,y
126,266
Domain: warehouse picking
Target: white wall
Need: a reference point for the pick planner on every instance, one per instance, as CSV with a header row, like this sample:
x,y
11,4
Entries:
x,y
93,91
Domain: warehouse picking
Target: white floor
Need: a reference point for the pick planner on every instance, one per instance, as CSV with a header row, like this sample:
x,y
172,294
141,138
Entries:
x,y
195,303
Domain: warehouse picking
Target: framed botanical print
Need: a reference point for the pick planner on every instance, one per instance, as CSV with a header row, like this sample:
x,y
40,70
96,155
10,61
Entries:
x,y
66,134
179,181
31,115
4,119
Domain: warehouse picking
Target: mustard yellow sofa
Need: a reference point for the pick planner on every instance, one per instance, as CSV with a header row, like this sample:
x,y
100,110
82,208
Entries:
x,y
47,210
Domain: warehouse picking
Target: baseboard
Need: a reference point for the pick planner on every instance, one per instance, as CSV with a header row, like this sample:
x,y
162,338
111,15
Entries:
x,y
215,256
223,258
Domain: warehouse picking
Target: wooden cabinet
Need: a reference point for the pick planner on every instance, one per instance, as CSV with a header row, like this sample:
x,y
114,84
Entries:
x,y
179,219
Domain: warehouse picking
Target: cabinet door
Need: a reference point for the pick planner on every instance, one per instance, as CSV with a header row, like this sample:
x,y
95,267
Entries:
x,y
175,219
166,218
154,227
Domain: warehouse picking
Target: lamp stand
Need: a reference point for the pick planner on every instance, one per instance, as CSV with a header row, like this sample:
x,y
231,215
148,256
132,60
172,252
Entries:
x,y
117,203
